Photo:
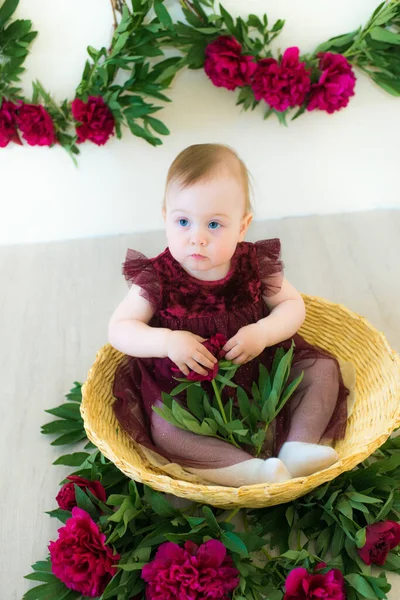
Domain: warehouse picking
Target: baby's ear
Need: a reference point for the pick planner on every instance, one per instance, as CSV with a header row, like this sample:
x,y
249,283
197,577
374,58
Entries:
x,y
247,219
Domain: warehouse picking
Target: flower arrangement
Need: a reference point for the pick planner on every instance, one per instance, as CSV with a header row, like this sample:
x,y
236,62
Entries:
x,y
238,422
120,84
125,541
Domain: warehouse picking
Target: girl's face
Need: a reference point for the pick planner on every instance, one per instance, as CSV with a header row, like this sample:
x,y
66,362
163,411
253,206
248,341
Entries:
x,y
204,223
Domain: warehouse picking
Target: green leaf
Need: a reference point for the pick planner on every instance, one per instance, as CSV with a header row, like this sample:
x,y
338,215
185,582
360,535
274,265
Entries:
x,y
344,507
361,585
194,402
282,371
72,460
61,515
225,381
278,25
337,543
279,354
85,503
42,565
384,35
69,438
137,566
180,388
7,10
234,543
361,537
362,498
163,14
264,382
211,520
159,503
69,410
289,391
392,87
228,20
75,394
122,38
46,577
323,541
61,426
243,401
158,126
47,591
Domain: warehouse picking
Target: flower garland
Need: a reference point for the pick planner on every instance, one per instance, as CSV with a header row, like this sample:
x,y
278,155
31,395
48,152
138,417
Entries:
x,y
233,53
125,541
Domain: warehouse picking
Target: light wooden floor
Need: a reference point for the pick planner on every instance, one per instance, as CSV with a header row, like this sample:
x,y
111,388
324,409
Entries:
x,y
55,303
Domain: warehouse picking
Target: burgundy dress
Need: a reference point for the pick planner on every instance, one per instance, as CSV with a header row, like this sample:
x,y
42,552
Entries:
x,y
317,410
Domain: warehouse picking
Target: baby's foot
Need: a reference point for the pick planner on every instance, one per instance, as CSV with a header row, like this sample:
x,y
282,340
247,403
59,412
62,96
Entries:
x,y
248,472
303,459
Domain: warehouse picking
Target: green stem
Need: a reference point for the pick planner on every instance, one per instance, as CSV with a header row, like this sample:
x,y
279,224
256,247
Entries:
x,y
267,554
232,514
218,397
245,521
221,410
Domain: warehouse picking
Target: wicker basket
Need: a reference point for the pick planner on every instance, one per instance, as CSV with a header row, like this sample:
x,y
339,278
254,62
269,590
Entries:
x,y
333,327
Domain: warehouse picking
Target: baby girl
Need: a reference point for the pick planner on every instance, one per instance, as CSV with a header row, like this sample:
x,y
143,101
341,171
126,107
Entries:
x,y
207,281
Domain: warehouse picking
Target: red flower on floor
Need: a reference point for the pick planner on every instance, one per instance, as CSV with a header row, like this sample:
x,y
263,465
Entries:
x,y
191,573
80,558
66,496
381,538
302,585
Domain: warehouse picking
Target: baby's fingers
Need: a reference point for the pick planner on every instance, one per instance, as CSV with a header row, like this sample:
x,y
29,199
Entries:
x,y
234,353
183,368
204,359
194,366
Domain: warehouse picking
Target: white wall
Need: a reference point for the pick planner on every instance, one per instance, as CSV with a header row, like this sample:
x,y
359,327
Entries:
x,y
319,164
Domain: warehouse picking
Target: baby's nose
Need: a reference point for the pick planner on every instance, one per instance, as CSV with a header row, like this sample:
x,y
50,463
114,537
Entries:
x,y
198,238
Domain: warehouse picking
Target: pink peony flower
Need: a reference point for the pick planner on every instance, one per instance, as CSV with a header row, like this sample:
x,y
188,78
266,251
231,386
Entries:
x,y
36,125
66,496
190,573
8,131
96,120
225,65
80,558
335,85
381,538
214,344
282,85
302,585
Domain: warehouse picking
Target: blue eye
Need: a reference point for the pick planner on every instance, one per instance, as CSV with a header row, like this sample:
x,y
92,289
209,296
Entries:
x,y
214,225
183,222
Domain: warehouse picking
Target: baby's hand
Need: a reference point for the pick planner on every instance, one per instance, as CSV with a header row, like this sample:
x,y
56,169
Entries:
x,y
245,345
188,353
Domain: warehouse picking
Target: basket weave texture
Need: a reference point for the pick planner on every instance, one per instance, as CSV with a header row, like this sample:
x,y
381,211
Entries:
x,y
333,327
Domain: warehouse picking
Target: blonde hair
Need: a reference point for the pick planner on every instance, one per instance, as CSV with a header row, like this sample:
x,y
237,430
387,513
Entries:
x,y
203,161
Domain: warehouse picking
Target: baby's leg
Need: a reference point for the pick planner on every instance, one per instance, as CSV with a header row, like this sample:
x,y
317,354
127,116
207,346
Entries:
x,y
311,409
213,459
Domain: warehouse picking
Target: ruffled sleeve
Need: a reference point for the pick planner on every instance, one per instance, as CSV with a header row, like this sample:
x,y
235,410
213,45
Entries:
x,y
270,266
138,269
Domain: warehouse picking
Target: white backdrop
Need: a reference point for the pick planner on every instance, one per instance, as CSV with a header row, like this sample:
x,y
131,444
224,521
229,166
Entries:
x,y
319,164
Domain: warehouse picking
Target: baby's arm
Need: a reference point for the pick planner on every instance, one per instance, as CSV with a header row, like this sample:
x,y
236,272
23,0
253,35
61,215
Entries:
x,y
130,333
287,313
